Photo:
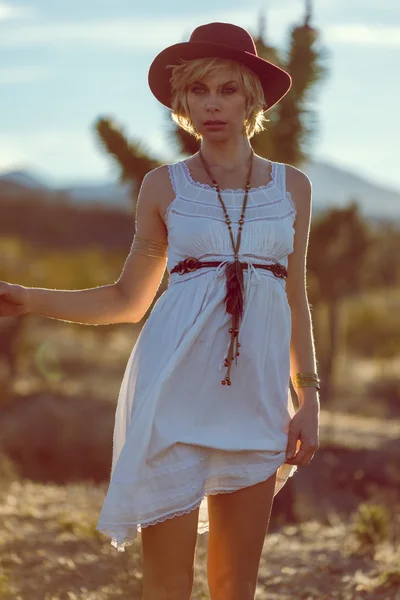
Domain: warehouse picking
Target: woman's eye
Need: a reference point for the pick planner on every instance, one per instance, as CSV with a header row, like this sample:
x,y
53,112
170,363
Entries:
x,y
196,89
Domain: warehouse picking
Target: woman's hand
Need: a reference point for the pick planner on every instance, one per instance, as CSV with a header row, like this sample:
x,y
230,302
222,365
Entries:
x,y
13,300
303,434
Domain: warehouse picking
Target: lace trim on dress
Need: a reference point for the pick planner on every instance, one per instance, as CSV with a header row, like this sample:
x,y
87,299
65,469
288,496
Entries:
x,y
185,491
289,197
173,183
112,531
172,178
206,186
222,220
180,198
122,538
228,470
232,206
177,466
242,255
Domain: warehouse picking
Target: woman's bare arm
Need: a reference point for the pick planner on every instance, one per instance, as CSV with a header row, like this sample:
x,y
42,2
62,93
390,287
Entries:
x,y
127,299
142,275
302,350
94,306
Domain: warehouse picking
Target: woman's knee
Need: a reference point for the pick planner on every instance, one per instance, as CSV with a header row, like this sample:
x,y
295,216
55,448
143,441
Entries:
x,y
168,586
234,588
168,558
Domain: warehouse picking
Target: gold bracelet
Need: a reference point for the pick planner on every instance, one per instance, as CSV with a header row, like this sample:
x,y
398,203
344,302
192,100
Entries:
x,y
310,384
149,247
306,379
298,379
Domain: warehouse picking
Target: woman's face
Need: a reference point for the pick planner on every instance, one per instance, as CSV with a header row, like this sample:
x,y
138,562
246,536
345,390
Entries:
x,y
217,98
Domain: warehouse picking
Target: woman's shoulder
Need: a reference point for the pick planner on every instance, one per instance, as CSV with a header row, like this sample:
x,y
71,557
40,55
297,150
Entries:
x,y
158,184
159,175
295,176
299,186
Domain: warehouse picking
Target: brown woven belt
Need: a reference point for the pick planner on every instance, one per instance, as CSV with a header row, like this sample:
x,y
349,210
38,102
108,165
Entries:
x,y
234,296
191,264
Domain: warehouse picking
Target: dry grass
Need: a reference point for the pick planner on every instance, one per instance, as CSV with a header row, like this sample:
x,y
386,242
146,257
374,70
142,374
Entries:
x,y
50,550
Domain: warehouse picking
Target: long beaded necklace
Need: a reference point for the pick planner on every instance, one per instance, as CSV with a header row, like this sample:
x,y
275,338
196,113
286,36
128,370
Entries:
x,y
234,272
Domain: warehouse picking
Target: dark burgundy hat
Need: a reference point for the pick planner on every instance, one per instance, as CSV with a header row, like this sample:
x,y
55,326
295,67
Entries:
x,y
222,40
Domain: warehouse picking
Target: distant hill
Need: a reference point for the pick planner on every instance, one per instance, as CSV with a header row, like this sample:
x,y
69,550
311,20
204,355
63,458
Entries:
x,y
336,186
22,179
111,194
332,186
23,183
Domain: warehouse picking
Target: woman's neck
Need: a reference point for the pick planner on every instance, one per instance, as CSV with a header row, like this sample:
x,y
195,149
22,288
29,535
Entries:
x,y
228,156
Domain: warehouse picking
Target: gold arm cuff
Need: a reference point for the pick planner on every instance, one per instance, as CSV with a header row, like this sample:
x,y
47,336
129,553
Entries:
x,y
308,384
307,374
306,379
149,247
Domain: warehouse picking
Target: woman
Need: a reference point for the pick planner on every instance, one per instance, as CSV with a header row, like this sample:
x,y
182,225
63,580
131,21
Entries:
x,y
205,432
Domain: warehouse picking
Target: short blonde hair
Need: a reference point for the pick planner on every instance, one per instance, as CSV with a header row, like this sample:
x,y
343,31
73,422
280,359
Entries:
x,y
192,70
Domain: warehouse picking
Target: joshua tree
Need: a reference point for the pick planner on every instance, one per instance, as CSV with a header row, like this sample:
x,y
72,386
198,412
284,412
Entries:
x,y
338,251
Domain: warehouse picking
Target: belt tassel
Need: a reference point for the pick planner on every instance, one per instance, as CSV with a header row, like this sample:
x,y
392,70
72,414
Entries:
x,y
234,296
234,305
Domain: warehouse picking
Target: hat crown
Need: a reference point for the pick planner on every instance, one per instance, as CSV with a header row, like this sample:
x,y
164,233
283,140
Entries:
x,y
224,41
227,34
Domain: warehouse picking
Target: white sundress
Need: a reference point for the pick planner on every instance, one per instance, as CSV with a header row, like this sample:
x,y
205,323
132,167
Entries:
x,y
179,434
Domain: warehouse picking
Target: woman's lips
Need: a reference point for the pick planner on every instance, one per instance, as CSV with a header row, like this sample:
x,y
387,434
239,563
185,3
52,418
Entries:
x,y
214,125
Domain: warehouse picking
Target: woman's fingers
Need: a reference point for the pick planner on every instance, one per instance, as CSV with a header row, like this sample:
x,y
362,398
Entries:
x,y
305,454
293,436
303,432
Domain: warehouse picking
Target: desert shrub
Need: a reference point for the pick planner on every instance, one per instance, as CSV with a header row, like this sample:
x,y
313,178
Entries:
x,y
373,331
370,524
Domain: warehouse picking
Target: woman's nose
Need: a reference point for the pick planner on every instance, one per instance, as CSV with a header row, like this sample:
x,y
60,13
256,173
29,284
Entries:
x,y
212,102
212,106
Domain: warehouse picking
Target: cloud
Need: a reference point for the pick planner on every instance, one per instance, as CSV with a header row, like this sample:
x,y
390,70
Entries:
x,y
139,32
7,11
145,33
119,33
124,33
363,35
11,75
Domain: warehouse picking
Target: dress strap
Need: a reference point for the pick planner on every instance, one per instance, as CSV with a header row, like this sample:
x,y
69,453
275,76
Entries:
x,y
280,177
179,180
172,176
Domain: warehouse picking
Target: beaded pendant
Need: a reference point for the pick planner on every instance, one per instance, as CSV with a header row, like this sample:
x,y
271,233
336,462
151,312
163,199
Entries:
x,y
234,298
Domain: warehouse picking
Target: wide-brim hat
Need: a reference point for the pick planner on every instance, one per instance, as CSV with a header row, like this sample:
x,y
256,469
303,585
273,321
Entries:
x,y
222,40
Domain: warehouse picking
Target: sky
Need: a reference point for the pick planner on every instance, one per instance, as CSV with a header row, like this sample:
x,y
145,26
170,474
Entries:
x,y
64,64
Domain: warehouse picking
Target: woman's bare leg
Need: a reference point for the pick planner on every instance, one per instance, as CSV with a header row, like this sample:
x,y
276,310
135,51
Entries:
x,y
238,525
168,558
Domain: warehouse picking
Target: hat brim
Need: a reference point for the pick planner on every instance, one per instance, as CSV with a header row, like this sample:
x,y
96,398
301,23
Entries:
x,y
275,81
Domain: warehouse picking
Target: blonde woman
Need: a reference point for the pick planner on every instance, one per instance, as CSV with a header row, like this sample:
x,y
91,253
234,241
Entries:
x,y
205,430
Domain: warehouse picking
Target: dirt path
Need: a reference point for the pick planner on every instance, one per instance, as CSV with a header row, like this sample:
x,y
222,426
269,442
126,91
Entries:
x,y
50,550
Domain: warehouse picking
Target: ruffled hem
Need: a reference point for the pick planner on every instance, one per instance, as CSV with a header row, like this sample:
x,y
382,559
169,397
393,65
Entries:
x,y
123,533
129,538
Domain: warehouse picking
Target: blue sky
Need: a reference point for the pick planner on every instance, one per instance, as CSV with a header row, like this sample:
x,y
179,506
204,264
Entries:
x,y
63,64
